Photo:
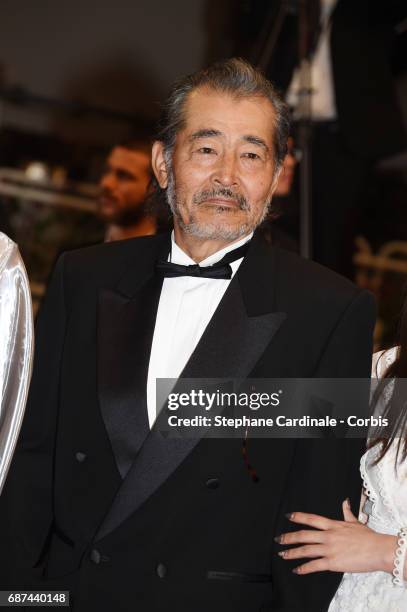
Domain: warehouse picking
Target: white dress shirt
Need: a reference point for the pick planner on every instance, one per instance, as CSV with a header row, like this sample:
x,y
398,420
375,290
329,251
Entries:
x,y
323,106
186,306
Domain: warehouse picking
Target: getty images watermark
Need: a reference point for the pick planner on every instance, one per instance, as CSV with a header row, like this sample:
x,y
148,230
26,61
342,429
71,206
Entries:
x,y
269,408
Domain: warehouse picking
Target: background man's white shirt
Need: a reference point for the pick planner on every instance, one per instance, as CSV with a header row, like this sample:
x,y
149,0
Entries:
x,y
186,306
323,105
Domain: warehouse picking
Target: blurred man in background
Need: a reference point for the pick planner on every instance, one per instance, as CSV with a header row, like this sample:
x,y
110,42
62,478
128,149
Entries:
x,y
356,115
124,183
286,178
281,225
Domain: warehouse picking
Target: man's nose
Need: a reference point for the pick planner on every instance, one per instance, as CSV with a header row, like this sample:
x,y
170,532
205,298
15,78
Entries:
x,y
226,172
108,181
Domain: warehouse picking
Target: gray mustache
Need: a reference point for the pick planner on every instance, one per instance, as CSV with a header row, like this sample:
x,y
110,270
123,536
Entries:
x,y
226,194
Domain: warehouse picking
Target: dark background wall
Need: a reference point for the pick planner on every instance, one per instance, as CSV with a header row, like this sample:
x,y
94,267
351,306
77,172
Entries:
x,y
121,55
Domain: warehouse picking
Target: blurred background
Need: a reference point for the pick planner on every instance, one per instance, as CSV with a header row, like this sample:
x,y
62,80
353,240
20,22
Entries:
x,y
80,87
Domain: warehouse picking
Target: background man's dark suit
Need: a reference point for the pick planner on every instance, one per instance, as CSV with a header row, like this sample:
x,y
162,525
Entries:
x,y
361,44
369,125
188,528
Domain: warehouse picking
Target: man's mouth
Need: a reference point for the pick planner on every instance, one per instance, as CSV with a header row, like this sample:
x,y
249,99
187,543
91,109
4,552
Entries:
x,y
222,202
106,200
223,199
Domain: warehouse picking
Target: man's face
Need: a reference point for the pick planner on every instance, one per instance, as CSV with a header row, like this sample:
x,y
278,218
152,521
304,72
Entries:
x,y
123,186
222,177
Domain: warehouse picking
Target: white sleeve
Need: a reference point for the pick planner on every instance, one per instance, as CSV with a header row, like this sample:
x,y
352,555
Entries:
x,y
382,360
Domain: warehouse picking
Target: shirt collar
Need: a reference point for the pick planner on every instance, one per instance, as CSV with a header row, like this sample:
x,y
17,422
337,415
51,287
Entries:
x,y
179,256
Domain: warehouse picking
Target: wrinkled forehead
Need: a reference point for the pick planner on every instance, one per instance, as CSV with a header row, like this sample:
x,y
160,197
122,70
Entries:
x,y
206,109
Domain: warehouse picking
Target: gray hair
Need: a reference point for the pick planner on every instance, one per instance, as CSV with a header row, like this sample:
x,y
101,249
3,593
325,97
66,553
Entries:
x,y
235,77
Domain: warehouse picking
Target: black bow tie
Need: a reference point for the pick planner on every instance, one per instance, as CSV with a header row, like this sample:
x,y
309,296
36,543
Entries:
x,y
221,269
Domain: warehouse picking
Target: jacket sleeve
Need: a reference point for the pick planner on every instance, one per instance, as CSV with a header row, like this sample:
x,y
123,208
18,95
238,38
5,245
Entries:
x,y
26,502
324,472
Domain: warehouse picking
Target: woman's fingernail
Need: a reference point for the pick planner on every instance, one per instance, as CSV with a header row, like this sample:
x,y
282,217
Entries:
x,y
296,570
282,553
289,515
278,539
347,500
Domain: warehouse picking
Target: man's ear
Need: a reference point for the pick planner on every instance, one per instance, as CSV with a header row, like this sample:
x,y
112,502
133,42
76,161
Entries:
x,y
158,164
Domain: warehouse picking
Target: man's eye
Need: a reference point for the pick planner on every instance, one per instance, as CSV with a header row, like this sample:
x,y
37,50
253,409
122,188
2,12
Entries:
x,y
122,175
251,155
206,150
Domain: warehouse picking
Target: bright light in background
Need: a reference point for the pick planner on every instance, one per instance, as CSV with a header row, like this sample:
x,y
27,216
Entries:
x,y
37,171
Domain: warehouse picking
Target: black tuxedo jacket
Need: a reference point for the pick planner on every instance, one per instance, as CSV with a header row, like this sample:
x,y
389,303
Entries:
x,y
155,524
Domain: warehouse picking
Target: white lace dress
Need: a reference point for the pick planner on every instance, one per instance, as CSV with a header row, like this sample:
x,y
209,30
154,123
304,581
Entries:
x,y
386,509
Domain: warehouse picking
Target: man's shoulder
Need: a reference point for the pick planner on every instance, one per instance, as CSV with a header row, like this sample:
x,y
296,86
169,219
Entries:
x,y
111,256
313,284
318,293
115,249
104,265
306,271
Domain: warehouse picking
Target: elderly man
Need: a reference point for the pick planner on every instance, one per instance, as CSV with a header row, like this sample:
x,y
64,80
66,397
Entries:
x,y
104,505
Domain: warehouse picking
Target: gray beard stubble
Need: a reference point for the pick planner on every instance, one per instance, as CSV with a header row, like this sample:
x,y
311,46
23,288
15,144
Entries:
x,y
209,230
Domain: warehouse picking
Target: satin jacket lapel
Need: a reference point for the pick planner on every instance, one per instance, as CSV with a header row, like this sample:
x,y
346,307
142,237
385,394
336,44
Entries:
x,y
126,319
234,340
